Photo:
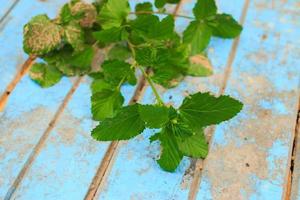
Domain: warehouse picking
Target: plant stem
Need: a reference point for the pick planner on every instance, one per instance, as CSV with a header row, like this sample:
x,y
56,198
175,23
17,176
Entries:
x,y
159,13
159,100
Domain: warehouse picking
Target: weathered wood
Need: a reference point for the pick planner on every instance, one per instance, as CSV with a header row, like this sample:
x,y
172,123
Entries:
x,y
83,152
295,174
11,54
5,8
30,108
135,175
66,165
250,155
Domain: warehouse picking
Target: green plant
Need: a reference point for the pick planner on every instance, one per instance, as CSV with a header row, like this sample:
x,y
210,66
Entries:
x,y
136,40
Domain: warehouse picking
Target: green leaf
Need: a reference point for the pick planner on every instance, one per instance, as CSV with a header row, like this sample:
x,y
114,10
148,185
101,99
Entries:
x,y
119,52
75,36
45,75
86,13
149,27
115,70
194,146
167,76
203,109
105,103
197,36
125,125
199,66
204,9
62,59
163,29
154,116
227,27
99,85
160,3
146,6
41,35
113,13
170,156
111,35
83,59
65,14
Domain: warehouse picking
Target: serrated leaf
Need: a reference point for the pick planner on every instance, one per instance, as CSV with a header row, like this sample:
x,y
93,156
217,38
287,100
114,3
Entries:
x,y
62,60
194,146
160,3
111,35
87,13
146,6
41,35
170,156
105,104
119,52
203,109
74,36
113,13
154,116
115,70
163,29
99,85
167,77
149,27
45,75
227,27
204,9
197,36
125,125
65,14
200,66
83,59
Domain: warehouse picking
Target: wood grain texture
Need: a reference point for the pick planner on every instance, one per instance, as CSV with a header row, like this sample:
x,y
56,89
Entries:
x,y
30,108
66,165
5,8
11,53
71,150
294,184
250,155
135,175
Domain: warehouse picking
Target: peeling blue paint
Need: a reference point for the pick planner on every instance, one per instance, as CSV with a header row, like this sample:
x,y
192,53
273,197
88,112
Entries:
x,y
205,189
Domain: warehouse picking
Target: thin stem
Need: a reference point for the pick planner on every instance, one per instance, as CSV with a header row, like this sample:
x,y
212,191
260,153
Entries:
x,y
159,13
159,100
121,82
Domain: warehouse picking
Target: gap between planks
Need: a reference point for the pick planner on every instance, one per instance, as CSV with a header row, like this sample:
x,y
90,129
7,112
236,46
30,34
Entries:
x,y
111,152
8,11
199,164
287,192
38,147
12,85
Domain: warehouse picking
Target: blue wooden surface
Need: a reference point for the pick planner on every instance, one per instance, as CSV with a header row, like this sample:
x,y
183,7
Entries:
x,y
249,156
5,8
140,177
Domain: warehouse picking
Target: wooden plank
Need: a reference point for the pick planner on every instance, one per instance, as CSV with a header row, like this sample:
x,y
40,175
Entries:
x,y
30,108
135,175
66,165
11,53
295,182
250,155
73,155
